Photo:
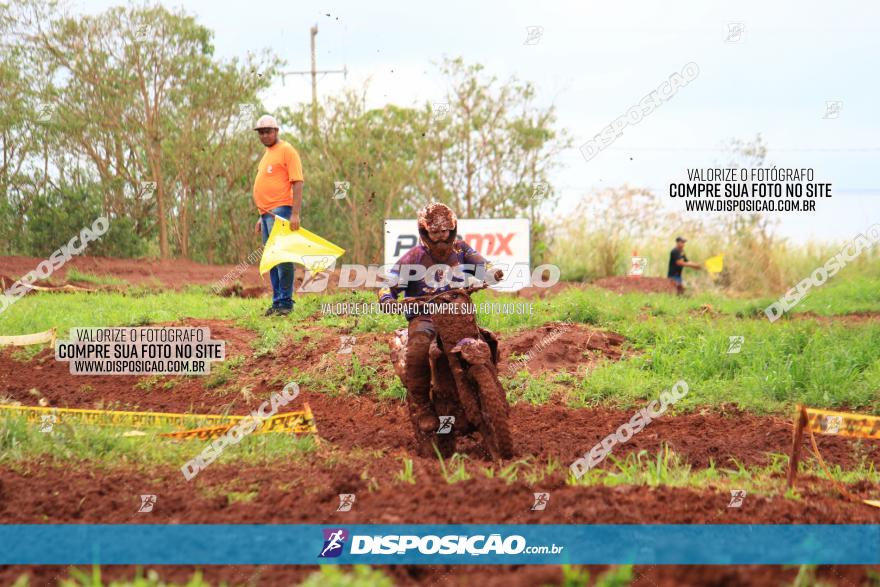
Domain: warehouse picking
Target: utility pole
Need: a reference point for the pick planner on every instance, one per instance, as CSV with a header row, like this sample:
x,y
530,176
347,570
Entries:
x,y
313,32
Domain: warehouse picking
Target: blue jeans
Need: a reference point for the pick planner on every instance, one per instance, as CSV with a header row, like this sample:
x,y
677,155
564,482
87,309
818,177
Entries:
x,y
280,275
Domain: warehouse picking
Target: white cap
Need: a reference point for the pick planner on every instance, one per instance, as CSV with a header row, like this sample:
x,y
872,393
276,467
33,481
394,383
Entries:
x,y
266,121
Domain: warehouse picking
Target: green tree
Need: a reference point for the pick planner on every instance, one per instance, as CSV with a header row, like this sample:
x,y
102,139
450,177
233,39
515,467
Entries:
x,y
142,98
380,153
495,145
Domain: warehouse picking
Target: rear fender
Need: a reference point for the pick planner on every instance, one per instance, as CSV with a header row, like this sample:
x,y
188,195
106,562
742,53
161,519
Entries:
x,y
474,351
466,395
492,341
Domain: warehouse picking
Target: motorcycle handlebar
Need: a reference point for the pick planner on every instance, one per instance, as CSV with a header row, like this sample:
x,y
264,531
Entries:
x,y
427,299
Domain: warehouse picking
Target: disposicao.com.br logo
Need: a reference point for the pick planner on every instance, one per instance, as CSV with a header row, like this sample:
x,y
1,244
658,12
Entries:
x,y
334,540
431,544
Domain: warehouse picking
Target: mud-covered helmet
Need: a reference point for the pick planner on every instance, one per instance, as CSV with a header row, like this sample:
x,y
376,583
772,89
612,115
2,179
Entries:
x,y
436,217
433,218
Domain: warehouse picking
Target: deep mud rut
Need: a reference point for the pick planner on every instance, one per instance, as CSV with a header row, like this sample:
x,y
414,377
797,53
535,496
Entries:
x,y
381,428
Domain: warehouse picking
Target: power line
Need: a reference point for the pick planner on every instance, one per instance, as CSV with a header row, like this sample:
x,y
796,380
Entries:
x,y
313,32
777,149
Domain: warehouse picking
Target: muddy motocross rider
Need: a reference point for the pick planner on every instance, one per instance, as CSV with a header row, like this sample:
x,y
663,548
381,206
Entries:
x,y
438,246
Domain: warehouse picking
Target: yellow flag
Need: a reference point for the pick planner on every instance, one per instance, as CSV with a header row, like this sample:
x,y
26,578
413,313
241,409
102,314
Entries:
x,y
715,264
300,246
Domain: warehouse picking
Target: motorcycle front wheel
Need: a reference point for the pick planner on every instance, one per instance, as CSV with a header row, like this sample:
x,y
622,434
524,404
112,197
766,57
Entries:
x,y
495,427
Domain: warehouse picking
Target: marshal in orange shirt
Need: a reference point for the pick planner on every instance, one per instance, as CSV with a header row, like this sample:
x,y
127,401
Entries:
x,y
279,167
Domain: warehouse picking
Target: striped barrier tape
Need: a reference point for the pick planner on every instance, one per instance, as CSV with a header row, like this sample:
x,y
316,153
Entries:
x,y
298,422
843,423
811,421
302,422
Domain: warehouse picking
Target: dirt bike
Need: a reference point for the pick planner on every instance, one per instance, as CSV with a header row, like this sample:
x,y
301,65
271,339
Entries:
x,y
464,373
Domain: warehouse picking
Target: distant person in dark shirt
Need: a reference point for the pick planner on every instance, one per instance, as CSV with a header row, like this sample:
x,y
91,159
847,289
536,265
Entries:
x,y
678,261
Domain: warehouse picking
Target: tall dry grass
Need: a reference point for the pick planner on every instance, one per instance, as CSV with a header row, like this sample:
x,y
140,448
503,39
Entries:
x,y
599,238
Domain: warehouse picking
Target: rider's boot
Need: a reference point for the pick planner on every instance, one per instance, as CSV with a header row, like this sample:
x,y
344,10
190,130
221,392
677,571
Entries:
x,y
418,386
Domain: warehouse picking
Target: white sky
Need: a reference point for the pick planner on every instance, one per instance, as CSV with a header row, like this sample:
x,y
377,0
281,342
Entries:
x,y
595,60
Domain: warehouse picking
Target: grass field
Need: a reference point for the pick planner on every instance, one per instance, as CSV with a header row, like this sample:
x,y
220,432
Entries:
x,y
832,365
822,355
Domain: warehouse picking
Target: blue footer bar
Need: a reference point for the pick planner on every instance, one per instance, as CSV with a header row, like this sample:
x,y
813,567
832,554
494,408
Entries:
x,y
209,544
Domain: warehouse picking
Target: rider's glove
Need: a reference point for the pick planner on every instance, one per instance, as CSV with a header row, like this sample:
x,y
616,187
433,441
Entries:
x,y
389,305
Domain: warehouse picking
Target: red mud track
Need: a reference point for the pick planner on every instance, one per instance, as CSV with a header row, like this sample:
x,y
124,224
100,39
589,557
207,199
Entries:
x,y
346,421
468,575
168,274
305,488
558,347
636,284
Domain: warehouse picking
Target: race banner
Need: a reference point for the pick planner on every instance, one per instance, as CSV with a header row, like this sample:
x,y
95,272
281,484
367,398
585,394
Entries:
x,y
502,241
340,543
292,422
843,424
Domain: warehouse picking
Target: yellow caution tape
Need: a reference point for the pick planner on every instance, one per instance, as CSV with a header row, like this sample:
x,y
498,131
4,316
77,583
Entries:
x,y
27,339
840,488
297,422
828,422
843,423
302,422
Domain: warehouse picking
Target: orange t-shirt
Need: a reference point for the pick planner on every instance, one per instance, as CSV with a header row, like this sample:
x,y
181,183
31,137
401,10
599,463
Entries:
x,y
279,167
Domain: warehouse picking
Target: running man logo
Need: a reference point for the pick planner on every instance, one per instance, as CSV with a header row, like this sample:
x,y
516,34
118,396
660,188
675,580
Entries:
x,y
45,112
47,421
346,345
736,343
533,35
317,273
736,498
439,110
446,423
334,540
346,500
147,189
843,423
340,189
141,31
735,32
832,109
147,503
638,265
540,190
831,424
541,501
313,282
